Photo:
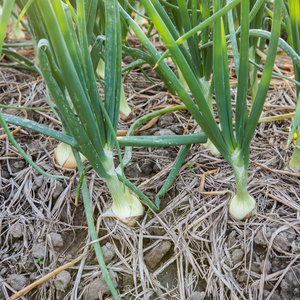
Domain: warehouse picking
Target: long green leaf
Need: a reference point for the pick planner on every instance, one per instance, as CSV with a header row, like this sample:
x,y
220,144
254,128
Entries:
x,y
4,18
265,79
241,99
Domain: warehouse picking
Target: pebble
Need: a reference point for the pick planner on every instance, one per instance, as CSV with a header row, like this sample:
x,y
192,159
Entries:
x,y
268,267
108,251
237,256
127,280
290,283
178,129
33,147
231,239
99,286
18,281
147,166
33,276
39,181
62,281
16,230
197,296
56,239
164,131
38,250
18,165
165,120
58,189
5,174
154,256
283,240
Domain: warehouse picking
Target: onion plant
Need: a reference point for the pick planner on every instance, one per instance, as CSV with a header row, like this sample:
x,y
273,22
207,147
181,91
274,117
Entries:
x,y
291,9
66,64
232,140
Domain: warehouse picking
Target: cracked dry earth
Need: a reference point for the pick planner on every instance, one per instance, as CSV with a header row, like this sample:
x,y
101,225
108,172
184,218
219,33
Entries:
x,y
191,249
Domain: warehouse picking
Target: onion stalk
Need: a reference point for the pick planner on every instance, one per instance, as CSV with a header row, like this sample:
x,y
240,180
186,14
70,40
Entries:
x,y
292,22
125,206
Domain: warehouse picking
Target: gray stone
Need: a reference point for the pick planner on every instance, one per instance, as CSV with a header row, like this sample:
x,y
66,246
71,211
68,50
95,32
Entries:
x,y
16,230
165,120
231,239
237,256
283,240
33,147
57,190
268,267
56,239
154,256
290,284
164,131
39,180
178,129
127,280
62,281
197,296
38,251
108,252
18,281
99,287
18,165
147,166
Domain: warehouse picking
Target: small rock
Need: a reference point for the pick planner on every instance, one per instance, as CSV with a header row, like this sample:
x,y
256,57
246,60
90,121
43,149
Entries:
x,y
231,239
16,230
242,277
197,296
58,190
33,276
29,266
38,251
33,147
127,280
38,181
290,283
283,240
18,165
99,287
18,281
108,252
178,129
165,120
256,267
56,239
62,281
237,255
133,170
5,174
168,277
147,166
154,256
276,296
295,247
164,131
268,267
150,131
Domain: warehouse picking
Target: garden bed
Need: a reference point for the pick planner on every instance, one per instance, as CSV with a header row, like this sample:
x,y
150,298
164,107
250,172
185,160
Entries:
x,y
190,249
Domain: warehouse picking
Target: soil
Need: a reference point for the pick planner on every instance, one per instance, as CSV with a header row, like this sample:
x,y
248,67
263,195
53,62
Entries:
x,y
190,249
